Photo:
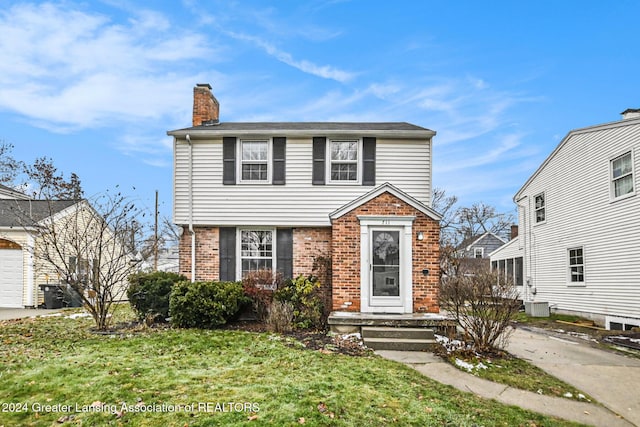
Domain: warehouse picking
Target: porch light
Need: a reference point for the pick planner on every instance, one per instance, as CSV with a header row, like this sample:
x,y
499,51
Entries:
x,y
420,236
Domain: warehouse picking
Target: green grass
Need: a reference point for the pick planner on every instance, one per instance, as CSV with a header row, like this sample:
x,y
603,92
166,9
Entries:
x,y
521,317
57,361
521,374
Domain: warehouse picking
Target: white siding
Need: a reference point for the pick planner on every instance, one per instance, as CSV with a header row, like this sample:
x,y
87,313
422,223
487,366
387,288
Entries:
x,y
580,213
403,163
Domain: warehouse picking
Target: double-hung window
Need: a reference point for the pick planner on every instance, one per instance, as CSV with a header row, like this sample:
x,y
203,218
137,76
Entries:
x,y
478,252
343,160
540,208
622,175
576,265
256,250
255,160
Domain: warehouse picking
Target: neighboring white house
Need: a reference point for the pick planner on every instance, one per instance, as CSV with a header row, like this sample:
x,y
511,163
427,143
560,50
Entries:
x,y
23,269
19,275
579,226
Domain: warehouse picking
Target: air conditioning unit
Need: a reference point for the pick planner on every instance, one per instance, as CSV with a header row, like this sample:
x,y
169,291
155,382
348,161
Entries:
x,y
536,308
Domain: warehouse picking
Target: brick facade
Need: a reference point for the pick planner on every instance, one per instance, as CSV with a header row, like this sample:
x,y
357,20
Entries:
x,y
312,255
346,254
341,244
207,258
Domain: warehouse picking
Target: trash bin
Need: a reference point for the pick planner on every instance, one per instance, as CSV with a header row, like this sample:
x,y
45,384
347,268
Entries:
x,y
71,298
53,295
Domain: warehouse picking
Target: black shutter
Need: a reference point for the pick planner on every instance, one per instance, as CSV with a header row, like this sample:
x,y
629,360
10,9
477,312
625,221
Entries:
x,y
227,251
229,160
368,161
319,148
284,251
279,163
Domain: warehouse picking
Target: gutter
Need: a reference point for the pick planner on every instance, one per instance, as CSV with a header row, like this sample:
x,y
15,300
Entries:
x,y
191,230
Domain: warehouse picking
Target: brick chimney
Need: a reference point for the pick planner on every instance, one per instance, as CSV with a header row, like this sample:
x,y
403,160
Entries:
x,y
206,109
514,231
630,113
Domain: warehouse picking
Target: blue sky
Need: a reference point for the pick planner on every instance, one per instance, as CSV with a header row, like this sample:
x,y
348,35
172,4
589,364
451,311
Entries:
x,y
96,84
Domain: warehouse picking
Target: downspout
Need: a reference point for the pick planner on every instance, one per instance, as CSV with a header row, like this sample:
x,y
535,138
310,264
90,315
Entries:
x,y
191,230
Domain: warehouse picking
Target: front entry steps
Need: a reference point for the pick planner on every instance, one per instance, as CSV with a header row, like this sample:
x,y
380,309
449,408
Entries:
x,y
401,339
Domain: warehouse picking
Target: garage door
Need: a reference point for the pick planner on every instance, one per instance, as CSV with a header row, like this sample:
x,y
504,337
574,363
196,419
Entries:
x,y
10,277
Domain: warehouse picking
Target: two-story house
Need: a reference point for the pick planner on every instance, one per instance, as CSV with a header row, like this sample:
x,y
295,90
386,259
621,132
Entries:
x,y
579,226
280,196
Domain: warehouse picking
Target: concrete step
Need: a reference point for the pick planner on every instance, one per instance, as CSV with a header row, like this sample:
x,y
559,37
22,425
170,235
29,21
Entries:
x,y
402,339
400,344
390,332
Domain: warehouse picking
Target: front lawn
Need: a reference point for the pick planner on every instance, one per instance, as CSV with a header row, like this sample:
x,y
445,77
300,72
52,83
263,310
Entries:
x,y
56,370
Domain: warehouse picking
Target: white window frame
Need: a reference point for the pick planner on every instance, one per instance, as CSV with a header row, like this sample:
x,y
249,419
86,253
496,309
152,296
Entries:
x,y
612,180
240,161
239,256
570,282
481,252
543,208
357,162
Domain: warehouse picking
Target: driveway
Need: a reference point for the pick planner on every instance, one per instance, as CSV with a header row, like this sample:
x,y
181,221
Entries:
x,y
19,313
610,378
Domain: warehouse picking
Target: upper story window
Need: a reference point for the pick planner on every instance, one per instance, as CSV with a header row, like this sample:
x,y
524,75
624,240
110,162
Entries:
x,y
478,252
576,265
622,175
255,160
540,208
343,160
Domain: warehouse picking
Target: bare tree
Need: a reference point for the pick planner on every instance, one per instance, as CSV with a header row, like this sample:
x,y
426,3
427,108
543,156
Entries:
x,y
443,204
484,304
10,168
44,181
84,245
480,218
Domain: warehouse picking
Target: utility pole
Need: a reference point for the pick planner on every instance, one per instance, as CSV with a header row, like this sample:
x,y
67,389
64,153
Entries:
x,y
155,240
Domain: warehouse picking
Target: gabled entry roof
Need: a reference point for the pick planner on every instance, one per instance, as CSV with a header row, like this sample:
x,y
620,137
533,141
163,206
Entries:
x,y
386,188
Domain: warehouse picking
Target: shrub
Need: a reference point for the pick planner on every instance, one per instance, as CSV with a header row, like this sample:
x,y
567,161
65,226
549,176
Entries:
x,y
302,293
259,287
280,316
205,305
484,305
148,294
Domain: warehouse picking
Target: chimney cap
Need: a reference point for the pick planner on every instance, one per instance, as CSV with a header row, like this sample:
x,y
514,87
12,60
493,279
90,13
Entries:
x,y
207,85
631,113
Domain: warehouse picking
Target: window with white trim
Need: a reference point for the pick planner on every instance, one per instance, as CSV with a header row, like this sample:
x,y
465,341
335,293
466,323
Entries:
x,y
622,175
540,207
576,265
254,160
478,252
343,160
256,250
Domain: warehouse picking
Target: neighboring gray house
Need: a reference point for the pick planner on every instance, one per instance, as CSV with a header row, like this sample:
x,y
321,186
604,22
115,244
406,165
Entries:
x,y
473,252
480,246
579,226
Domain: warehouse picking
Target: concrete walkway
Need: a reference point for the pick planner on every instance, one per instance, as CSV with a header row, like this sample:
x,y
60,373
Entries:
x,y
20,313
610,378
588,369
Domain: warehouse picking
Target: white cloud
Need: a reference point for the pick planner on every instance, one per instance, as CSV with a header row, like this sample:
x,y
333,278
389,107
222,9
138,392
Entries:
x,y
66,69
324,71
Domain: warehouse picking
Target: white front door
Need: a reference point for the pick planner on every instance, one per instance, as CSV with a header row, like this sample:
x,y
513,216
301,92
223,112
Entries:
x,y
386,284
385,288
